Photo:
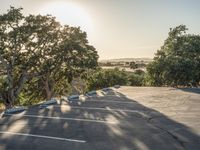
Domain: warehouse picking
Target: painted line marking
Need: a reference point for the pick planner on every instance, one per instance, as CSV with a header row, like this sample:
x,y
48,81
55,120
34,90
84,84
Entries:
x,y
108,101
43,136
61,118
97,108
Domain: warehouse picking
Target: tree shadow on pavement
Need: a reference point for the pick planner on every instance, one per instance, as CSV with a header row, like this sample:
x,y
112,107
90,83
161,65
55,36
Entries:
x,y
114,126
191,90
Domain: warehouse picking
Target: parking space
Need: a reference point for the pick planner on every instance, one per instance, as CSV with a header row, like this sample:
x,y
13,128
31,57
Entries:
x,y
116,120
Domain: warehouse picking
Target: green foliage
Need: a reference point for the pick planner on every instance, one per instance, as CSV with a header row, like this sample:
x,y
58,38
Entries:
x,y
133,65
106,78
139,72
13,38
177,63
3,86
65,55
39,57
141,65
136,80
110,77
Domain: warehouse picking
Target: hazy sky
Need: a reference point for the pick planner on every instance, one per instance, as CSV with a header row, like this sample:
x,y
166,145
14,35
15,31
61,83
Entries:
x,y
119,28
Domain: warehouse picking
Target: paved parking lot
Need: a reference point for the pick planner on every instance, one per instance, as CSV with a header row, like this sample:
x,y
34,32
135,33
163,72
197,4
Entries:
x,y
127,118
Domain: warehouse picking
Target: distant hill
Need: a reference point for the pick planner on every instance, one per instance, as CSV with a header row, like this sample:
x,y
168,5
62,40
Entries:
x,y
126,60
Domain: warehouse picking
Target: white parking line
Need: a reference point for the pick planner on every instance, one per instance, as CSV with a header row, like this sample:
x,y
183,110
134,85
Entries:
x,y
97,108
109,101
42,136
61,118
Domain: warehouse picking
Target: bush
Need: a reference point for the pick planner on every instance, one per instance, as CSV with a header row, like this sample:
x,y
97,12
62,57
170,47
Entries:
x,y
136,80
106,78
139,72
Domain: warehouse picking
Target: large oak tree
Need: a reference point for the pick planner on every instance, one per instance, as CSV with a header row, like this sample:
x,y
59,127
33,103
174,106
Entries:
x,y
40,56
177,63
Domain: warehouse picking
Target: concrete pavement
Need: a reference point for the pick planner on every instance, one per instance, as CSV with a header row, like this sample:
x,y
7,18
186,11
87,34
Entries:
x,y
128,118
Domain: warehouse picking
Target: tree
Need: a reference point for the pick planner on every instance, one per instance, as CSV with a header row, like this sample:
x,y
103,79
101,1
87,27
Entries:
x,y
177,62
40,56
16,63
133,65
65,55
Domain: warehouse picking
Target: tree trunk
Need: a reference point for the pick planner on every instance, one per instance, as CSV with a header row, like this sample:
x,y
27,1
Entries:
x,y
13,92
49,90
8,99
48,94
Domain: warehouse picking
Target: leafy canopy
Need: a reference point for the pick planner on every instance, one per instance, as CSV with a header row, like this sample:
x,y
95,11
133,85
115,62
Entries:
x,y
177,63
39,57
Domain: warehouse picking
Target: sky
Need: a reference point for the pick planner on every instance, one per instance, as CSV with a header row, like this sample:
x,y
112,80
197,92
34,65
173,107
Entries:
x,y
119,28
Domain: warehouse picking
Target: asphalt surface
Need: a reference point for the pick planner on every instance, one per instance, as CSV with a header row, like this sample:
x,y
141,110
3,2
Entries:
x,y
128,118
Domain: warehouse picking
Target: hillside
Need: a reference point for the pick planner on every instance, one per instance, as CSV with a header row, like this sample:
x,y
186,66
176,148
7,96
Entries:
x,y
126,60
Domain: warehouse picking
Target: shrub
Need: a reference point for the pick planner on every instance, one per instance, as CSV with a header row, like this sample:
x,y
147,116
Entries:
x,y
139,72
106,78
136,80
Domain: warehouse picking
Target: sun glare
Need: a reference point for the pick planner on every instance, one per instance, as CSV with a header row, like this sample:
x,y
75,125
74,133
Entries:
x,y
70,14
